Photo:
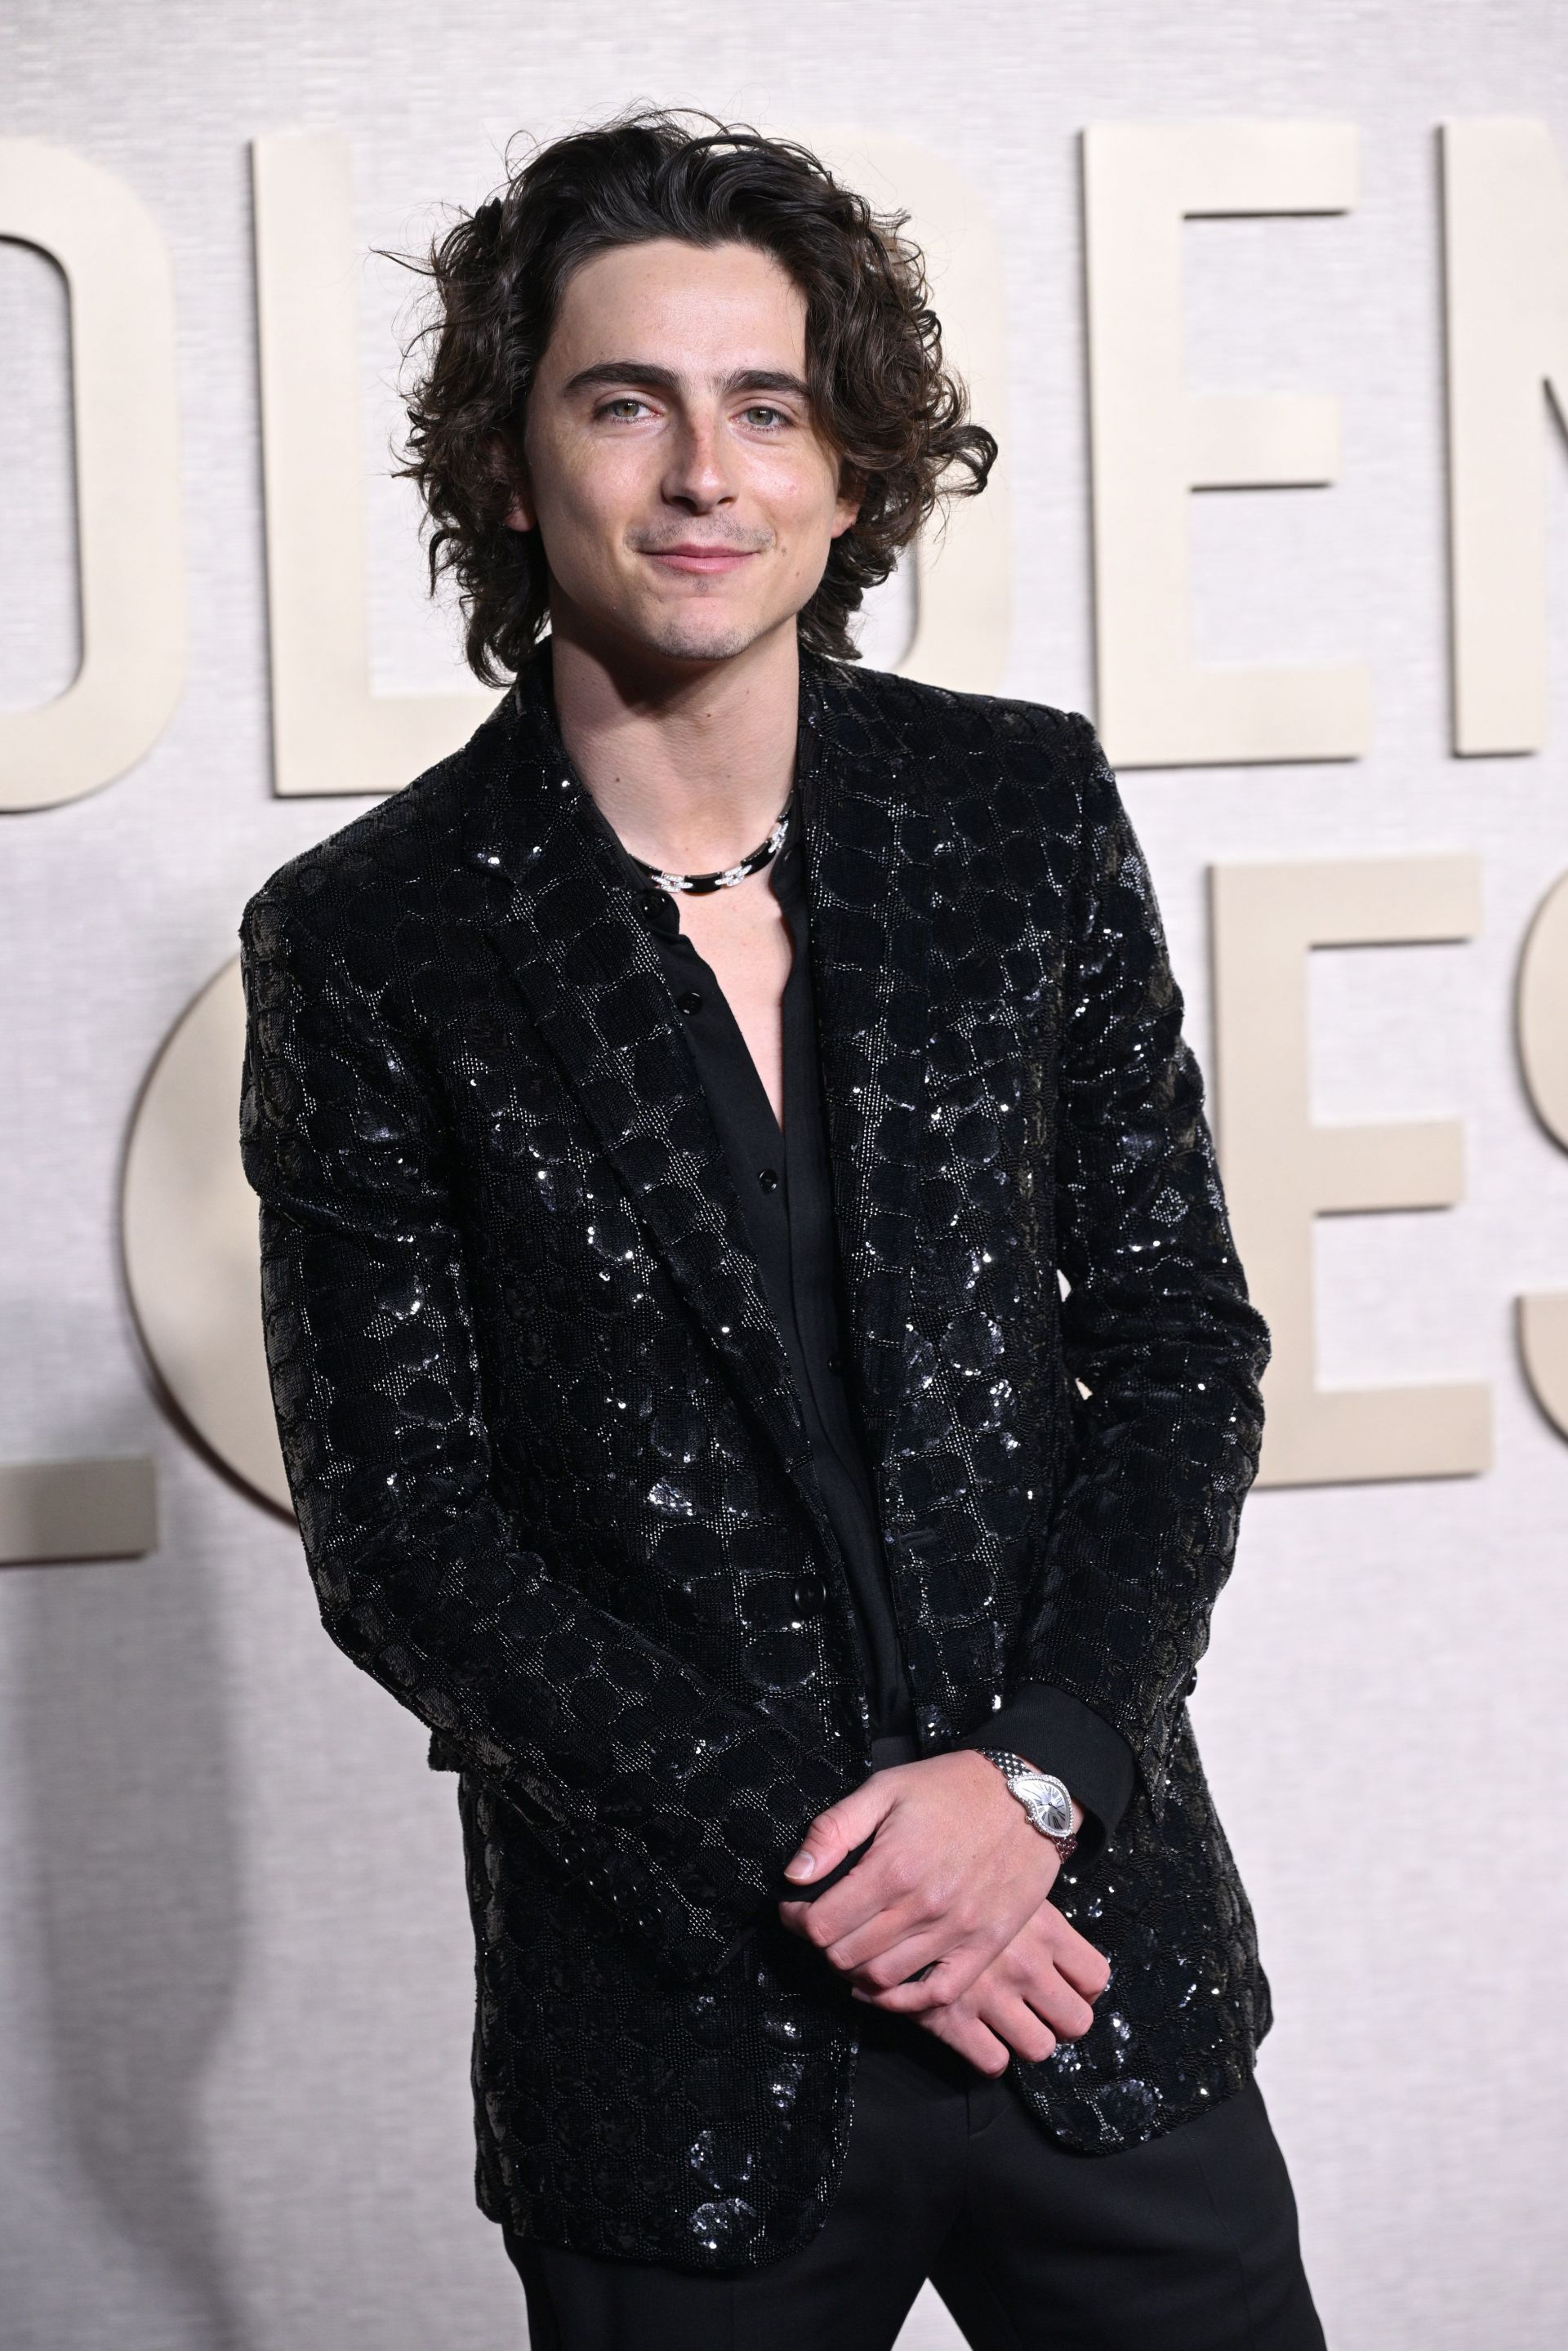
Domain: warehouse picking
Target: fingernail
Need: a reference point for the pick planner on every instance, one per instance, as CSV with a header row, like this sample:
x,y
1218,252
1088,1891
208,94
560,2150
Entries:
x,y
803,1866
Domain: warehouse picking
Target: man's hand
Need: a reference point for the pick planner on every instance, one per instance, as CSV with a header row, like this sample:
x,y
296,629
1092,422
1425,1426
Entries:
x,y
1040,1990
954,1872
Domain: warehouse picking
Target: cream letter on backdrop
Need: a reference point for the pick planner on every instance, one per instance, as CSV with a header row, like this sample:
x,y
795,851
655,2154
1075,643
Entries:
x,y
1153,442
1543,1055
1506,219
329,733
189,1220
125,416
56,1510
1281,1171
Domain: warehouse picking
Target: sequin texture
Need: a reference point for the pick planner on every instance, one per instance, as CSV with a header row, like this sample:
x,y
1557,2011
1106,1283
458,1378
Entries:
x,y
553,1485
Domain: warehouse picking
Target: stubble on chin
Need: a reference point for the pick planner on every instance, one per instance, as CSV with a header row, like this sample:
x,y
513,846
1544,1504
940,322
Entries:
x,y
675,638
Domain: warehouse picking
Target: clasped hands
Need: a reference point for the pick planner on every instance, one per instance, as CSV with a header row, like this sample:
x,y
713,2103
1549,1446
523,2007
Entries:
x,y
955,1888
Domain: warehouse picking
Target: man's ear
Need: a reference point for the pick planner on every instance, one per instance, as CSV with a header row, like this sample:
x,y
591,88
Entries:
x,y
509,468
852,490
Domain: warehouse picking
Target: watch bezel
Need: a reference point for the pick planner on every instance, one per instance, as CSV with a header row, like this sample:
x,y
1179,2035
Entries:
x,y
1035,1792
1047,1801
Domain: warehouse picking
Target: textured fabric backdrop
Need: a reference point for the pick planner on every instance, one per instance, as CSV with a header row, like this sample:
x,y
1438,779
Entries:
x,y
208,2145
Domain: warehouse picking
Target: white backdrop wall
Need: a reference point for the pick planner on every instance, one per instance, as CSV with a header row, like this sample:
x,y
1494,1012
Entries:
x,y
235,1963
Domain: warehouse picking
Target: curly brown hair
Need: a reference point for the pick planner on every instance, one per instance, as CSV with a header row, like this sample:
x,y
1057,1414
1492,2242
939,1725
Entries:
x,y
895,415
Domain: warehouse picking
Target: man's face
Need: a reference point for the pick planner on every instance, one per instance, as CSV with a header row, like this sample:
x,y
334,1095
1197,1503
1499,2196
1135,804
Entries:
x,y
687,500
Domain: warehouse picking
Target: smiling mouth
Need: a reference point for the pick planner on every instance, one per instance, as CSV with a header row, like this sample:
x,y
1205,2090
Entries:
x,y
702,561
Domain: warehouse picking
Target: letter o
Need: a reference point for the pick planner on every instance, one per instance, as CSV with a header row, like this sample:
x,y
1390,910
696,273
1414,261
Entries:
x,y
189,1225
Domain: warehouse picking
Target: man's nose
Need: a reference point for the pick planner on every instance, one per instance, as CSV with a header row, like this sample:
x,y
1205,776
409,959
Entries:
x,y
698,475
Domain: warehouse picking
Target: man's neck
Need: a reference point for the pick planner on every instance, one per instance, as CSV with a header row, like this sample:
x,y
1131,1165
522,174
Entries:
x,y
689,764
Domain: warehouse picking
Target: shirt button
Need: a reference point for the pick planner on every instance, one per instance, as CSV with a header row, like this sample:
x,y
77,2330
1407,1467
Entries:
x,y
691,1001
769,1179
836,1365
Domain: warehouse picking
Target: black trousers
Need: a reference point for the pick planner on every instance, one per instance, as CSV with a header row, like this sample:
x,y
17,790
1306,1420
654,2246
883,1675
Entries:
x,y
1186,2243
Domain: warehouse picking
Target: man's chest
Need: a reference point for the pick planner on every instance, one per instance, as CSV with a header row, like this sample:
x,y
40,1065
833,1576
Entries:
x,y
588,1145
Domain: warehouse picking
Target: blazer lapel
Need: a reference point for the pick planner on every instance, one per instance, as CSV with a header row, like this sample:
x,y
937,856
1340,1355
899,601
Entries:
x,y
569,935
871,842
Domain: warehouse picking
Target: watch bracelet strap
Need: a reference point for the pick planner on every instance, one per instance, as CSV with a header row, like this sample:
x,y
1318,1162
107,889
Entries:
x,y
1014,1767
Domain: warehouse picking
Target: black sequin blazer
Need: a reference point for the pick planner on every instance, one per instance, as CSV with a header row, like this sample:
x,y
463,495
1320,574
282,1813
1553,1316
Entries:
x,y
552,1481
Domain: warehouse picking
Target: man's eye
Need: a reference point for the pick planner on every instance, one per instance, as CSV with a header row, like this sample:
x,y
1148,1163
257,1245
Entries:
x,y
765,416
623,408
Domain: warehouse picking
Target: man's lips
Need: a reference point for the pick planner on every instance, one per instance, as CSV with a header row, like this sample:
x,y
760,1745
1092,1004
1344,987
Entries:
x,y
699,558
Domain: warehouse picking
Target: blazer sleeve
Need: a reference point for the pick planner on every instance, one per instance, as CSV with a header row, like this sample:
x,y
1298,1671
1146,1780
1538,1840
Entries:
x,y
1156,1324
672,1805
1057,1732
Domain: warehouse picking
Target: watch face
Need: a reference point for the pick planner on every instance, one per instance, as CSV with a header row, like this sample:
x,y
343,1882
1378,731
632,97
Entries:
x,y
1050,1806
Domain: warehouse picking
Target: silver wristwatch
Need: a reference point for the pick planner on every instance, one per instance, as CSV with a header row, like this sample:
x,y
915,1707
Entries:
x,y
1042,1796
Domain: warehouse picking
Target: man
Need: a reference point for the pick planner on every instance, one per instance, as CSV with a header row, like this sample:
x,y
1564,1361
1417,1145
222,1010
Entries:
x,y
670,1115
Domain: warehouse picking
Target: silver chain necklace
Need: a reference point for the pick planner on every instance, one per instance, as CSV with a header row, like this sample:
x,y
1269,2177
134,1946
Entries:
x,y
701,883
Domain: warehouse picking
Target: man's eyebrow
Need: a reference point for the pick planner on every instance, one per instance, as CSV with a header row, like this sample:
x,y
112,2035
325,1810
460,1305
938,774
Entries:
x,y
649,373
769,379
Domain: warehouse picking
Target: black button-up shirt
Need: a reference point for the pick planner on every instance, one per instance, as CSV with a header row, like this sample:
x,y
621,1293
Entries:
x,y
784,1179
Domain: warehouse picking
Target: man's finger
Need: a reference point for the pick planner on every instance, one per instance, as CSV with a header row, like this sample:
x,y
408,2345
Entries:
x,y
858,1899
890,1964
834,1834
1085,1969
1014,2021
925,1989
971,2038
888,1920
1050,1996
